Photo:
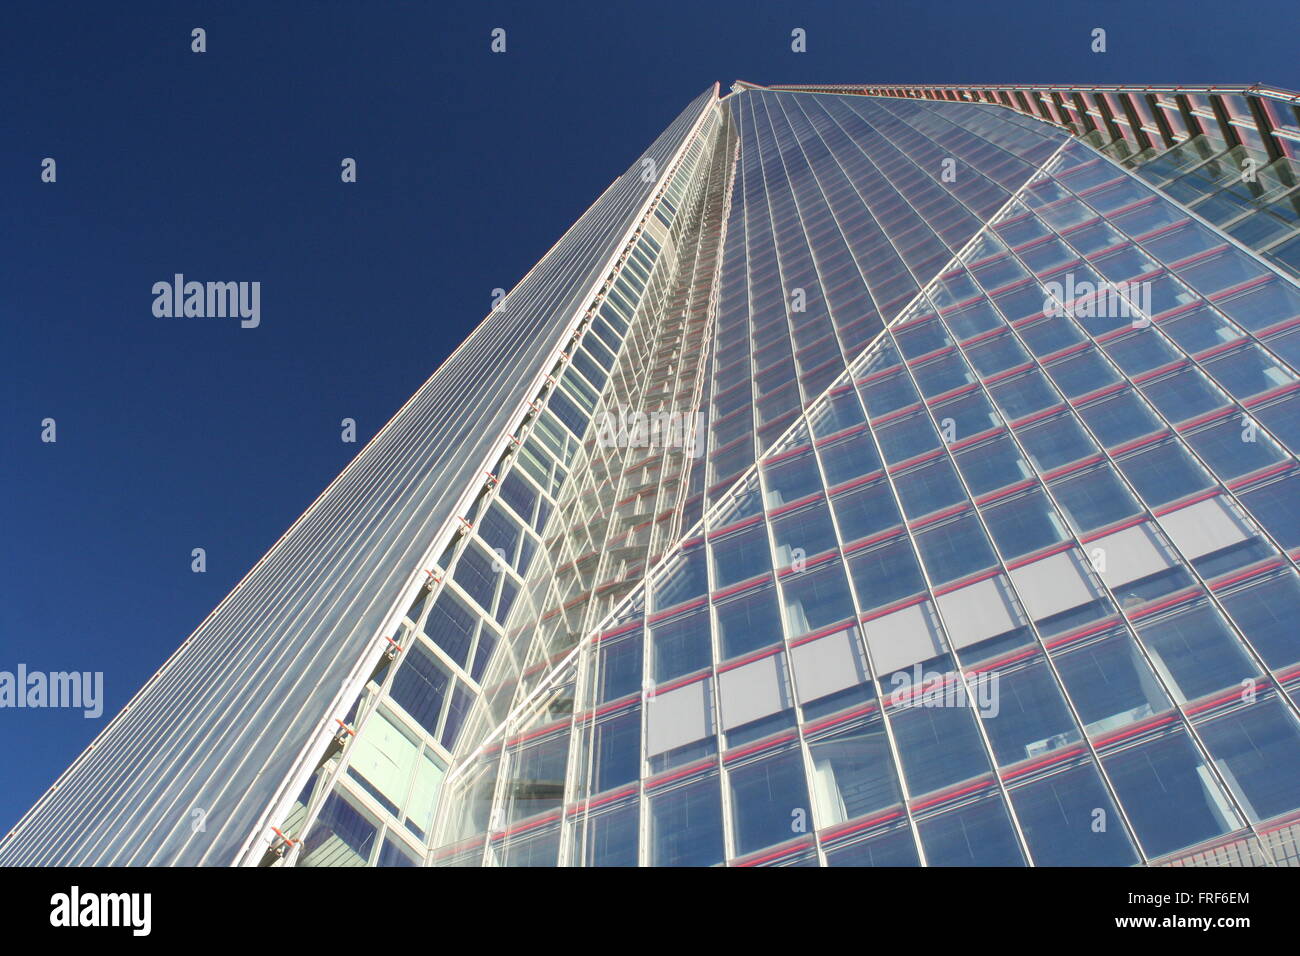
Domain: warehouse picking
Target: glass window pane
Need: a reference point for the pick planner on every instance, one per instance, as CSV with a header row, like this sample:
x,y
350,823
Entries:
x,y
1069,819
865,510
976,835
1055,442
1030,717
1120,417
686,825
681,645
748,622
938,746
1169,795
768,799
741,555
853,773
992,464
953,548
1196,652
815,598
1267,613
1163,472
1093,499
1024,523
1258,752
1110,684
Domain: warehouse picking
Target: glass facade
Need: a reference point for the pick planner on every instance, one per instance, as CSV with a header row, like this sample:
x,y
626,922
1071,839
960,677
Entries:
x,y
917,485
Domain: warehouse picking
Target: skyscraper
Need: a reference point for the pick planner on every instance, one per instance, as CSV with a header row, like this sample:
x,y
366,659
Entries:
x,y
871,476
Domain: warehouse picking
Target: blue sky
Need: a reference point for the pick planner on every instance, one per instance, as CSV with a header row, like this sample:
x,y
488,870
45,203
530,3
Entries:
x,y
175,434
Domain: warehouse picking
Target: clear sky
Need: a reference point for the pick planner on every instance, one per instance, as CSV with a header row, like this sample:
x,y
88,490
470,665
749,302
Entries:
x,y
175,434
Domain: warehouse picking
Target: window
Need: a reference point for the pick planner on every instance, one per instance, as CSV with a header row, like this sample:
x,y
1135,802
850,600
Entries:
x,y
1123,264
616,751
853,773
1266,613
996,355
740,555
865,510
1273,506
1231,447
938,746
1218,271
686,825
888,393
894,848
1247,371
1024,523
907,437
686,578
451,625
942,375
1084,372
1140,351
766,796
1263,305
954,548
803,533
1199,329
979,834
1169,795
1093,499
420,686
849,458
1050,335
681,645
1055,442
816,597
1258,752
1024,394
973,319
1196,652
1030,718
992,464
928,488
339,821
921,338
1182,241
537,777
791,479
1164,472
1058,816
619,667
886,573
1110,684
1120,417
608,838
748,622
969,414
